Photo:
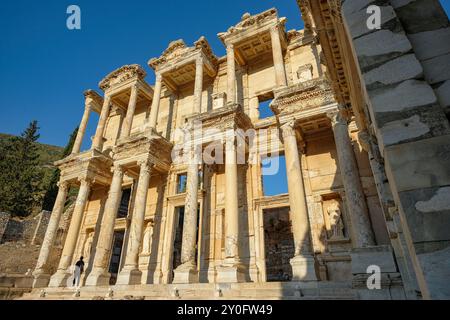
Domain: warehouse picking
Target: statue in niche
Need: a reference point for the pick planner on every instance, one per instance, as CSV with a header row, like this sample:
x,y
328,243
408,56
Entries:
x,y
336,222
147,239
88,246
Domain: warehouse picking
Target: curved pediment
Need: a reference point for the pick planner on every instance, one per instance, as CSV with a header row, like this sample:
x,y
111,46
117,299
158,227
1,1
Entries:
x,y
122,74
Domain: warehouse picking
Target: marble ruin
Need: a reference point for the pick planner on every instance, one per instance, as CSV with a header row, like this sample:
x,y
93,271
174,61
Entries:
x,y
362,118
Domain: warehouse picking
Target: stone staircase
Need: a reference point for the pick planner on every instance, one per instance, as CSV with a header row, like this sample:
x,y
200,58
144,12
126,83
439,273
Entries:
x,y
202,291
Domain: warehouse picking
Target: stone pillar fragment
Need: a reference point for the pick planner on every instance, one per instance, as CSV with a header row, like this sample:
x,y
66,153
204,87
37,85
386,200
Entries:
x,y
98,138
99,276
128,122
130,273
278,60
198,85
187,271
59,279
81,129
41,275
155,103
303,262
231,74
231,268
362,234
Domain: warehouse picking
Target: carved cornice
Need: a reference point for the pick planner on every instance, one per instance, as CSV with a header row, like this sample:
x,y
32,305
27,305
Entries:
x,y
121,75
177,51
248,21
302,96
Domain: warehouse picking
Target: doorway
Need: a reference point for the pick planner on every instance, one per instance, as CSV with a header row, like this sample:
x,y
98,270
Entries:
x,y
116,253
278,244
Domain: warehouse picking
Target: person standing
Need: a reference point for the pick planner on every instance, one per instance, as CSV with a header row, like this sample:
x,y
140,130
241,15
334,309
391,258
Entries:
x,y
79,268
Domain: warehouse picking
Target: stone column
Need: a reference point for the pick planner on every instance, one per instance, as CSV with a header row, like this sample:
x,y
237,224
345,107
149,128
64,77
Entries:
x,y
198,85
231,268
362,234
130,274
98,138
278,60
231,74
187,272
59,279
99,276
128,121
155,103
41,275
303,262
81,129
254,108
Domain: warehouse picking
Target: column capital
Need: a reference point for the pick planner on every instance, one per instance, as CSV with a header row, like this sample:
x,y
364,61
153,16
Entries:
x,y
117,169
63,185
85,180
336,117
288,129
145,166
229,46
199,60
158,77
135,86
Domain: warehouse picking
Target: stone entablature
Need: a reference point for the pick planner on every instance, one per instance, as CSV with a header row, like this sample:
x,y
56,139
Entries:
x,y
91,164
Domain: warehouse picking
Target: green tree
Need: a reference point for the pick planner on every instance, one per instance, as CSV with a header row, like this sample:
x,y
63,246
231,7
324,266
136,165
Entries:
x,y
52,188
20,173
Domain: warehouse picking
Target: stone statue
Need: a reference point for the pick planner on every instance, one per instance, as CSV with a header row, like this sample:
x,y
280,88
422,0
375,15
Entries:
x,y
88,246
147,239
336,223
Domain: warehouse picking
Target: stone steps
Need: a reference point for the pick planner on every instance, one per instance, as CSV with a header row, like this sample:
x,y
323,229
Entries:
x,y
205,291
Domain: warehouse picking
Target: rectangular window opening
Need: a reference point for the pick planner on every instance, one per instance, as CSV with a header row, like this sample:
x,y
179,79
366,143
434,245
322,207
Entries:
x,y
264,102
274,176
124,203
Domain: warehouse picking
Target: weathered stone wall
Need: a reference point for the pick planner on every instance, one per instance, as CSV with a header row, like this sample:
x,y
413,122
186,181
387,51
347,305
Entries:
x,y
403,68
30,230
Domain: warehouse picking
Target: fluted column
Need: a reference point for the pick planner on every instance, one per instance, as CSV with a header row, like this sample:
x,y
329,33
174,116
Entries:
x,y
231,268
198,85
128,121
81,129
278,60
231,74
155,102
99,276
362,234
59,279
187,271
98,138
302,263
41,275
130,274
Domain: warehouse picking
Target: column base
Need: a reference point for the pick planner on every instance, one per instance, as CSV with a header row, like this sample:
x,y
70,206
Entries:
x,y
303,268
40,279
62,278
129,276
98,278
230,273
186,273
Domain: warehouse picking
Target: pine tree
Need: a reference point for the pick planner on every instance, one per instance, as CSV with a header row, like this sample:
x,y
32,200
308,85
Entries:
x,y
52,189
21,175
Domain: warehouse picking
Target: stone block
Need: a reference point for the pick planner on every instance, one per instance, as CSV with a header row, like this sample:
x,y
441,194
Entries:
x,y
403,68
437,69
427,212
379,47
405,95
431,44
303,268
357,21
381,256
443,94
436,269
419,164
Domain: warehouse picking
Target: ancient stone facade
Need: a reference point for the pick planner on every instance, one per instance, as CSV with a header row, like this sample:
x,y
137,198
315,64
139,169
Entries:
x,y
143,219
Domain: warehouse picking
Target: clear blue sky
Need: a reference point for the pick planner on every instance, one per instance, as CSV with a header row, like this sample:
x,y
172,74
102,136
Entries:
x,y
45,67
